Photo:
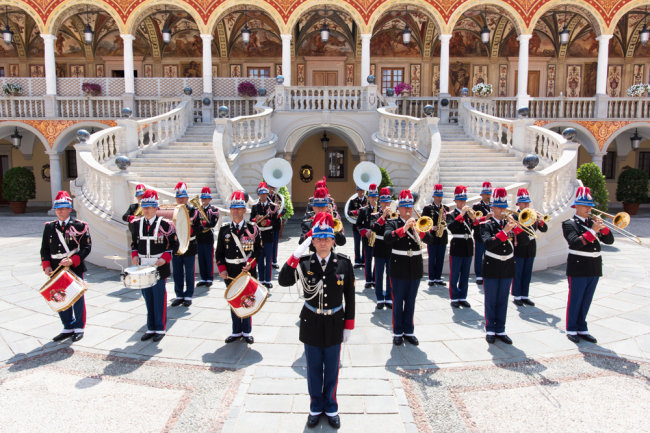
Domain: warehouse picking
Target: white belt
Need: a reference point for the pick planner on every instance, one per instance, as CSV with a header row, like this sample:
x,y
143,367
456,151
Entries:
x,y
499,256
193,238
64,255
464,236
379,237
150,260
263,229
584,253
408,253
236,261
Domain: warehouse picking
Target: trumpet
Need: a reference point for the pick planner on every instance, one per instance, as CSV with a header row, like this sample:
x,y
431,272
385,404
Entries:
x,y
618,223
474,214
424,223
197,204
338,224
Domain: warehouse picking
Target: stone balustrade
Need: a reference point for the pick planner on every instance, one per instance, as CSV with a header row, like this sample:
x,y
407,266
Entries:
x,y
402,131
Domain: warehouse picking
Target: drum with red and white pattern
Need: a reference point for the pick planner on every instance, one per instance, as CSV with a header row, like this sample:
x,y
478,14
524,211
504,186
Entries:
x,y
63,289
246,295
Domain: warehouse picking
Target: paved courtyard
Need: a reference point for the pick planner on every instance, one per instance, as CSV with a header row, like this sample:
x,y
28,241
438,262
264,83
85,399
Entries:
x,y
191,381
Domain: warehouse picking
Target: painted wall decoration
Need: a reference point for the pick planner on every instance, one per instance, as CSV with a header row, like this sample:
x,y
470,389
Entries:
x,y
388,43
638,74
13,71
77,71
551,72
60,70
36,71
314,46
539,46
435,85
458,77
170,71
503,81
480,74
585,46
574,81
99,70
614,80
373,69
263,43
466,44
589,80
278,69
416,79
191,69
67,46
300,74
215,71
235,70
148,70
349,75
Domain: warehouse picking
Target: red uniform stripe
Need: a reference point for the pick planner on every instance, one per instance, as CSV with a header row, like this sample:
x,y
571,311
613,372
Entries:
x,y
568,302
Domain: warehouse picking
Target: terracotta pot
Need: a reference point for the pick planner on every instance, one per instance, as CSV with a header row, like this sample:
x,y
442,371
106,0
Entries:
x,y
631,208
18,206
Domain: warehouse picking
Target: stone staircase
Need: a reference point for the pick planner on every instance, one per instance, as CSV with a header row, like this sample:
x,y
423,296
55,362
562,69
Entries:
x,y
464,161
189,159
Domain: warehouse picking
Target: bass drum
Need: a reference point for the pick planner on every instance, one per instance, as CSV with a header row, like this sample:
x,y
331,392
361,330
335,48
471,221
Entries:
x,y
180,217
245,295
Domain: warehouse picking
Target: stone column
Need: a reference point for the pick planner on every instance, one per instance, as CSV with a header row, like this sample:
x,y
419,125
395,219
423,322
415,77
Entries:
x,y
129,77
601,76
207,111
522,80
365,58
50,76
444,65
597,158
286,59
55,172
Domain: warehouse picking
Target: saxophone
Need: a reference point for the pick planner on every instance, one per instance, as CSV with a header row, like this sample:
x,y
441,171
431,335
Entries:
x,y
372,236
442,224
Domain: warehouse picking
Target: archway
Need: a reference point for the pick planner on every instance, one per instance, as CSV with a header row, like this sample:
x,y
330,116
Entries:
x,y
24,56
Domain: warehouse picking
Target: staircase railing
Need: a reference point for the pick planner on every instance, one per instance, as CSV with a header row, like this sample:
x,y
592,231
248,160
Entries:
x,y
403,131
326,98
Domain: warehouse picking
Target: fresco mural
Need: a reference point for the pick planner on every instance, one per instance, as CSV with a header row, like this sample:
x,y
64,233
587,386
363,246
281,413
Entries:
x,y
388,43
574,81
335,46
614,78
466,44
458,77
340,42
387,34
540,45
589,82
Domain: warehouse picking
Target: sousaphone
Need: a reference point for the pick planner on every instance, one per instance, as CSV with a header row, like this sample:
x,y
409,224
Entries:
x,y
277,172
365,174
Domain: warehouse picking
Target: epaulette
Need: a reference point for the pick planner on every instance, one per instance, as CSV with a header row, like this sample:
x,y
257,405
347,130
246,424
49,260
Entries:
x,y
343,256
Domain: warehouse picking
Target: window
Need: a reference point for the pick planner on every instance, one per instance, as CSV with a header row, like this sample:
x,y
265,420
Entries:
x,y
390,77
259,72
609,165
335,163
644,161
71,163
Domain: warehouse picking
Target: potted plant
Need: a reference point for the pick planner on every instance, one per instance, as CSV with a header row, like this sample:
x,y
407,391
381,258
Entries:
x,y
638,90
593,178
12,89
18,186
91,89
482,89
246,89
632,189
402,89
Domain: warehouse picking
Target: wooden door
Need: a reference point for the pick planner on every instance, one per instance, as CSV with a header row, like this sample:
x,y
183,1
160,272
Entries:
x,y
325,78
533,83
4,166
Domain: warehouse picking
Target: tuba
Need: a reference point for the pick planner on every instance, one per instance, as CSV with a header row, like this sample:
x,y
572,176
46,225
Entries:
x,y
277,172
197,204
365,174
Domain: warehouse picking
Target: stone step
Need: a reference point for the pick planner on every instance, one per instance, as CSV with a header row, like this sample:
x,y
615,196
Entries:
x,y
190,153
485,158
169,159
147,163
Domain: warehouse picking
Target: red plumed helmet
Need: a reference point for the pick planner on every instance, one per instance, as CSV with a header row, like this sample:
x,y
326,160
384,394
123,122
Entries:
x,y
460,189
150,193
321,193
487,185
206,190
385,191
405,193
522,191
323,218
500,193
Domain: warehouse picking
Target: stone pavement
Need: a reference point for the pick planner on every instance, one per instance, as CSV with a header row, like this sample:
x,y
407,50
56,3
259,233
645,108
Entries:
x,y
193,381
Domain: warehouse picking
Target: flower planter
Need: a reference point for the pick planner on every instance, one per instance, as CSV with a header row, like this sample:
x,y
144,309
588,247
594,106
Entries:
x,y
18,207
631,208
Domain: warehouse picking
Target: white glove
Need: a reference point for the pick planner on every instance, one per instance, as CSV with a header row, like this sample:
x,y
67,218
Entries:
x,y
302,248
346,335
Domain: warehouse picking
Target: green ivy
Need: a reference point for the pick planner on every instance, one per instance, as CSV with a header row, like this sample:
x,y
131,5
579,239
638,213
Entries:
x,y
632,186
288,205
592,177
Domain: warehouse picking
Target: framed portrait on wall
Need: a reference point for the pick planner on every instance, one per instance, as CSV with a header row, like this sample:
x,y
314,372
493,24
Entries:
x,y
503,80
435,80
99,71
170,71
480,74
37,71
13,70
614,80
573,81
335,163
550,80
235,71
637,74
77,71
373,70
300,74
148,70
349,75
278,69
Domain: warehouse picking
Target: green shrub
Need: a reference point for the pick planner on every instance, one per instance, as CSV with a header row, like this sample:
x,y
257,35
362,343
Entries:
x,y
18,184
288,205
385,178
632,186
592,177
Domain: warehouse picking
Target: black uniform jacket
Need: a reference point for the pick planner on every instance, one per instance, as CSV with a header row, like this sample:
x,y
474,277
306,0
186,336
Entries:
x,y
166,242
338,284
499,243
309,209
433,211
130,211
271,219
75,234
381,249
355,206
204,233
305,226
367,216
580,239
530,249
485,208
404,267
458,225
227,249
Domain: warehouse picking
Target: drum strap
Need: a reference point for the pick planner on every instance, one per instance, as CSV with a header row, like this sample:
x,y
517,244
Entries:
x,y
148,239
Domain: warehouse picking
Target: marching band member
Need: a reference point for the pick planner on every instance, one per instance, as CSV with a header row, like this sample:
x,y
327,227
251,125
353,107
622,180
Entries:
x,y
321,204
129,215
353,210
405,267
66,242
438,246
479,250
238,246
461,249
584,265
205,238
326,279
183,264
381,252
525,255
265,214
153,242
499,265
309,209
275,198
365,218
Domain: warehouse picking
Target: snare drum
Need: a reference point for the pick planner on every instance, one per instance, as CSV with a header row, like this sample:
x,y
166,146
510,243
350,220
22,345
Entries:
x,y
140,277
246,295
63,289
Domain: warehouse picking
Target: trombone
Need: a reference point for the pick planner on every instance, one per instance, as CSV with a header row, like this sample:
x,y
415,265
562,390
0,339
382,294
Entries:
x,y
618,223
196,202
525,219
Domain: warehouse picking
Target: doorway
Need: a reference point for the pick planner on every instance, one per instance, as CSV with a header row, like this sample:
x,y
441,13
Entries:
x,y
4,166
325,78
533,83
